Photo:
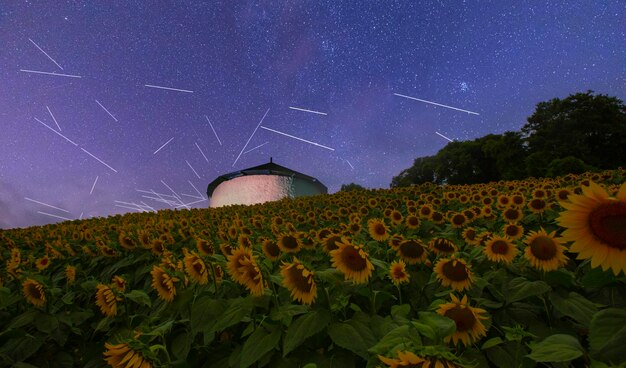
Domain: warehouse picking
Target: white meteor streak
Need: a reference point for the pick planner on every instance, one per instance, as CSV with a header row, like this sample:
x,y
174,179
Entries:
x,y
191,196
93,186
259,146
55,132
81,216
213,129
53,118
45,53
192,169
255,129
155,152
443,136
200,149
168,88
107,111
48,73
305,110
437,104
350,164
186,205
51,215
45,204
194,187
300,139
99,160
175,194
155,193
131,208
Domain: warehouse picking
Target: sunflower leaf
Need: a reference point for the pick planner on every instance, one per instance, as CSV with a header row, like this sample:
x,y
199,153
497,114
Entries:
x,y
521,288
607,333
139,297
557,348
305,327
575,306
262,340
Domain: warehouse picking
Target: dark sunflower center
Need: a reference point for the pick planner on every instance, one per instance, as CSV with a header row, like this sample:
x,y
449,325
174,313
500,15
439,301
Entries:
x,y
458,219
353,260
398,273
272,249
470,234
463,317
538,204
511,230
500,247
198,267
411,249
511,214
34,292
290,242
331,242
301,283
379,229
437,216
608,223
413,221
443,245
455,272
543,248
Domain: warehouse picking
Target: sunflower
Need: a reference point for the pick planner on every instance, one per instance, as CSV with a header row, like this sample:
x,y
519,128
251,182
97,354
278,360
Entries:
x,y
469,327
458,220
251,276
163,283
42,263
410,360
397,272
500,249
537,205
563,194
195,267
118,283
454,273
352,261
395,240
512,215
157,246
412,251
544,251
289,243
234,262
437,217
396,217
33,292
442,246
107,300
377,229
330,242
513,231
470,236
270,249
126,241
412,222
596,224
70,274
123,356
299,280
204,247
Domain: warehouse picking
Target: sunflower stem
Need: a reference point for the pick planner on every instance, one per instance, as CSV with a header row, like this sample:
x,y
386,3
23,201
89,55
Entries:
x,y
399,293
372,299
213,277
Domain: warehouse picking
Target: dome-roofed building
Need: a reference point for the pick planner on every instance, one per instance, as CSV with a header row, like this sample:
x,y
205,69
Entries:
x,y
259,184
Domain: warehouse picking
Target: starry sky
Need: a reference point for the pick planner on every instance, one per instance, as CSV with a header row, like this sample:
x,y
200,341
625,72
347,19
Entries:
x,y
84,142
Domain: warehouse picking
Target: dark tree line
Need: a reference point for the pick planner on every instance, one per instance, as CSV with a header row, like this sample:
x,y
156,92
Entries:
x,y
583,132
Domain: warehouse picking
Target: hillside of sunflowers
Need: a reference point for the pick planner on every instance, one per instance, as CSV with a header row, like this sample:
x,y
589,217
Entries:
x,y
505,274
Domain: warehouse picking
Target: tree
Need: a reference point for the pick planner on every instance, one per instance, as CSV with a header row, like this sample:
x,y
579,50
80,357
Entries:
x,y
350,187
422,171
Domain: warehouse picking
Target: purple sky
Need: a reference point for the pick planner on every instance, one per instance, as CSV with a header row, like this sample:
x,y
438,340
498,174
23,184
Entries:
x,y
498,59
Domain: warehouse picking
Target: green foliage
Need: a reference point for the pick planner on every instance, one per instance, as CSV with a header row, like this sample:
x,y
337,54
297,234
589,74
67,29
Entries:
x,y
350,187
557,348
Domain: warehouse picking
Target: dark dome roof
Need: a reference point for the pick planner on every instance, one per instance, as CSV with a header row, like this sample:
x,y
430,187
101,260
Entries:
x,y
266,169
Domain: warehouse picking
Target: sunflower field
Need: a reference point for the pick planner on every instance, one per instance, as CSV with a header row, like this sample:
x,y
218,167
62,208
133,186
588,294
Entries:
x,y
508,274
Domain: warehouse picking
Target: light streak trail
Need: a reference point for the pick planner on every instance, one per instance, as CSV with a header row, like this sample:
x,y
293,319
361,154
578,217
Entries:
x,y
192,169
350,164
99,160
168,88
300,139
53,118
203,155
145,205
194,187
437,104
259,146
61,135
81,216
45,53
191,196
176,194
49,214
48,73
443,136
187,205
155,152
305,110
130,208
169,203
255,129
45,204
93,186
213,129
155,193
107,111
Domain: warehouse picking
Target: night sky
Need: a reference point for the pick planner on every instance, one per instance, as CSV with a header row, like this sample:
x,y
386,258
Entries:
x,y
237,59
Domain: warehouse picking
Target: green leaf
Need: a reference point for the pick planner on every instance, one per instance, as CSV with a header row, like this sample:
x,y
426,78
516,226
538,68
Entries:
x,y
596,278
140,297
400,338
237,310
353,335
23,319
434,326
556,348
258,344
607,333
46,323
205,312
520,289
575,306
305,327
181,345
288,310
68,298
494,341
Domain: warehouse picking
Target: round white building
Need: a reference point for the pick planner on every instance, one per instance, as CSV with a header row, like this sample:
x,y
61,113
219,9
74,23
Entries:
x,y
259,184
